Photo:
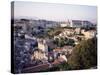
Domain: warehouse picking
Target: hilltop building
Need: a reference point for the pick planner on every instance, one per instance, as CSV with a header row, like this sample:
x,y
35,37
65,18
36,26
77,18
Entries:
x,y
80,23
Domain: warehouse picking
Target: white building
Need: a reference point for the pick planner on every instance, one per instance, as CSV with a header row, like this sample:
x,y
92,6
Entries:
x,y
80,23
42,45
63,25
39,55
76,23
51,25
89,34
87,24
78,30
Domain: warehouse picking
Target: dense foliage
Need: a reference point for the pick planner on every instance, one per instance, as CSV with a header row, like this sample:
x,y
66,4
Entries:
x,y
64,41
84,55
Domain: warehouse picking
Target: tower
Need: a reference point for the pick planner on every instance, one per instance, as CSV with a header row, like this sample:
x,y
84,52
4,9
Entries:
x,y
42,45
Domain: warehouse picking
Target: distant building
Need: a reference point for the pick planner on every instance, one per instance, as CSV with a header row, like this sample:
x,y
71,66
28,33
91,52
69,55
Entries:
x,y
89,34
49,25
78,30
39,55
42,52
80,23
67,49
68,32
52,25
62,51
76,23
42,45
63,25
87,24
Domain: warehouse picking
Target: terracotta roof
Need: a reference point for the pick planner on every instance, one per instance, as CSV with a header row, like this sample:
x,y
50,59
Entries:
x,y
57,49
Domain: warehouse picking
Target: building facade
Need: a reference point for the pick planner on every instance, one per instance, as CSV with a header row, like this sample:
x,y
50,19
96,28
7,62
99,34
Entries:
x,y
42,45
80,23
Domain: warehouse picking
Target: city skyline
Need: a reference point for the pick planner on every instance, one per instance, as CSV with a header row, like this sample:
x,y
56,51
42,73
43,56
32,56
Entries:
x,y
56,12
51,37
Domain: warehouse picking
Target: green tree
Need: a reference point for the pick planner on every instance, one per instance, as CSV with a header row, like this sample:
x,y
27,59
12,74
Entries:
x,y
64,66
61,42
84,55
56,41
70,42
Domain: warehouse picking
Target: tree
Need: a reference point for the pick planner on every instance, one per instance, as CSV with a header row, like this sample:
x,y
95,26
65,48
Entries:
x,y
61,42
56,41
84,55
57,32
70,42
64,66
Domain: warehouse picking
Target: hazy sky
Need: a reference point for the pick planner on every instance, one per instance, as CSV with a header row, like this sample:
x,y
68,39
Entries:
x,y
51,11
